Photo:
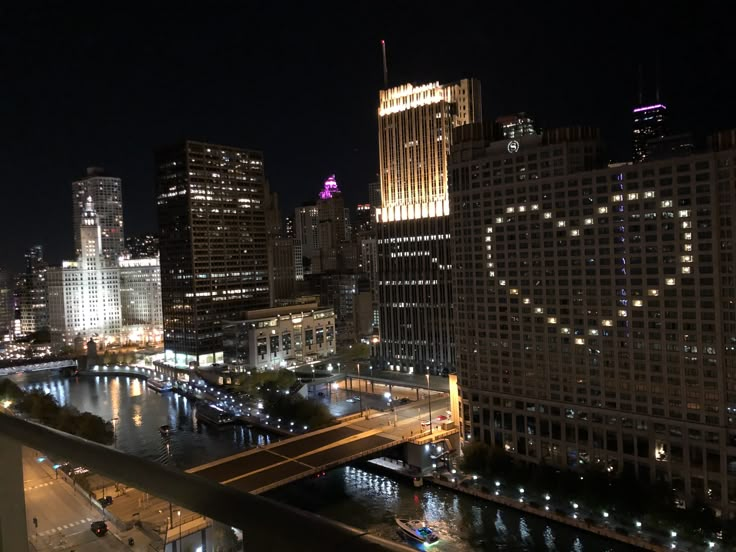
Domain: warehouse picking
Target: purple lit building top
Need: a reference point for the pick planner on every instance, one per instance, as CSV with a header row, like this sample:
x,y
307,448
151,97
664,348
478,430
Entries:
x,y
330,188
650,107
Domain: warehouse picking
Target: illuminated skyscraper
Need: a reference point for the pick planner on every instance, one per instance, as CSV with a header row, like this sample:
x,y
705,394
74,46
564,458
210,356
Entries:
x,y
414,281
32,293
107,196
212,237
649,124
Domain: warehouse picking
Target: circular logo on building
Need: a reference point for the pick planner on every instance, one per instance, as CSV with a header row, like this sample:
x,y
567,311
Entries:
x,y
513,146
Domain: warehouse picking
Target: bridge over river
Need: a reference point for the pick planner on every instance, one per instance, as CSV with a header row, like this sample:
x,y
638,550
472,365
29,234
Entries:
x,y
265,468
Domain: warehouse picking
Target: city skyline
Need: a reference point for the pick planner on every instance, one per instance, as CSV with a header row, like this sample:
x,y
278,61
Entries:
x,y
118,100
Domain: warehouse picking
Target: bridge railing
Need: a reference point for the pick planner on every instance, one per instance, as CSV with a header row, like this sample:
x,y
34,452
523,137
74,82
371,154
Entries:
x,y
261,519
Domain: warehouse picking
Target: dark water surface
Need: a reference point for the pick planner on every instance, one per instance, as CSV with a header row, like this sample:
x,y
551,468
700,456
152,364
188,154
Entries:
x,y
357,496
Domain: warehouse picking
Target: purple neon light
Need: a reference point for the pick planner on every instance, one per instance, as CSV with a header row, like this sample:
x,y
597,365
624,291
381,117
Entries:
x,y
649,107
330,188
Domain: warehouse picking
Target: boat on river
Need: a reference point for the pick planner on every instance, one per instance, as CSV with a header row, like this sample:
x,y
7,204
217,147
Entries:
x,y
159,385
213,414
417,530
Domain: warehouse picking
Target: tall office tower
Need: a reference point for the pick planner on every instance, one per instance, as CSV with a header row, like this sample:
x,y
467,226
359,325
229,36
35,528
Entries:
x,y
516,125
6,303
414,280
107,195
273,213
289,230
140,300
84,295
649,123
212,236
363,224
595,314
374,199
332,226
306,224
282,270
32,293
143,246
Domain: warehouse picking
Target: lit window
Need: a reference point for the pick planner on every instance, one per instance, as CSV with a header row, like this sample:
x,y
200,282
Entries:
x,y
622,313
538,310
548,215
499,220
602,210
574,232
667,203
592,331
653,292
561,223
683,213
632,196
514,291
638,302
565,330
617,197
686,258
650,194
670,281
579,341
552,320
502,282
686,270
509,209
588,221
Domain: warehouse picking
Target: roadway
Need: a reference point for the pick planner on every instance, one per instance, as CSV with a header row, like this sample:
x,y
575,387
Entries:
x,y
63,516
262,469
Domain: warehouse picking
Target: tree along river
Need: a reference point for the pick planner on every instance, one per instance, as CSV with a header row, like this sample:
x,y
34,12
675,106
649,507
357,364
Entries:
x,y
356,495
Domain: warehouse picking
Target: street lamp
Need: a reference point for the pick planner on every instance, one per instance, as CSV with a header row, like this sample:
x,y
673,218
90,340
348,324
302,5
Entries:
x,y
178,512
360,390
429,403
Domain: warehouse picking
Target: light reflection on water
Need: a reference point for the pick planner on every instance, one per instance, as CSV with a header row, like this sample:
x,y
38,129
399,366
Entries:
x,y
352,495
370,500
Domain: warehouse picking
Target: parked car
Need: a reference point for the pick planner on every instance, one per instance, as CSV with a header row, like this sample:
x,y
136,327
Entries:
x,y
404,400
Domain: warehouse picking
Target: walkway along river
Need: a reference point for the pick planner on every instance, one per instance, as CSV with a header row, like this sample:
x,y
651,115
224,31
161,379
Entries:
x,y
355,495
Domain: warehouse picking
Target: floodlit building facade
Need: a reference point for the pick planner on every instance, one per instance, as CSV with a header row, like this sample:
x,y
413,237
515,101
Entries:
x,y
280,337
413,233
32,293
594,308
84,295
140,300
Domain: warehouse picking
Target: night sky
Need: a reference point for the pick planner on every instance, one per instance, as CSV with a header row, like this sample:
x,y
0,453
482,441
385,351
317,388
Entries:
x,y
104,87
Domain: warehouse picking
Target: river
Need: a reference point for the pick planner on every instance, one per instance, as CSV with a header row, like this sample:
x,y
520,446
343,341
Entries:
x,y
355,495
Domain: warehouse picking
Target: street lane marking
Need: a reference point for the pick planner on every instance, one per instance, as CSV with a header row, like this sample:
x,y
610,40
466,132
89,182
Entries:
x,y
38,486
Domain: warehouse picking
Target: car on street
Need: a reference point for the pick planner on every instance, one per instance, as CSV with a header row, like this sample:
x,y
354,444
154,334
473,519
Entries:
x,y
99,528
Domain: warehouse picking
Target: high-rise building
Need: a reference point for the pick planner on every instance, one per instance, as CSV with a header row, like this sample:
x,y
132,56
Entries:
x,y
306,225
107,196
648,124
84,295
594,309
140,300
516,125
32,293
6,303
143,246
282,270
363,222
212,237
413,234
289,230
332,227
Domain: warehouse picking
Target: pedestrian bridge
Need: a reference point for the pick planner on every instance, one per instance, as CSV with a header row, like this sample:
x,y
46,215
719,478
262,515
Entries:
x,y
39,367
265,468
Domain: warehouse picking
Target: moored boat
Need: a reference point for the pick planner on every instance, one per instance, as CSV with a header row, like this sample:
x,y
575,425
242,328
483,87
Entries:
x,y
165,430
213,414
159,385
417,530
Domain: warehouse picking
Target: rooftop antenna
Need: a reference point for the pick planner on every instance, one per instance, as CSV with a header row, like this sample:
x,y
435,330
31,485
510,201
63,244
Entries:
x,y
385,66
656,74
641,97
